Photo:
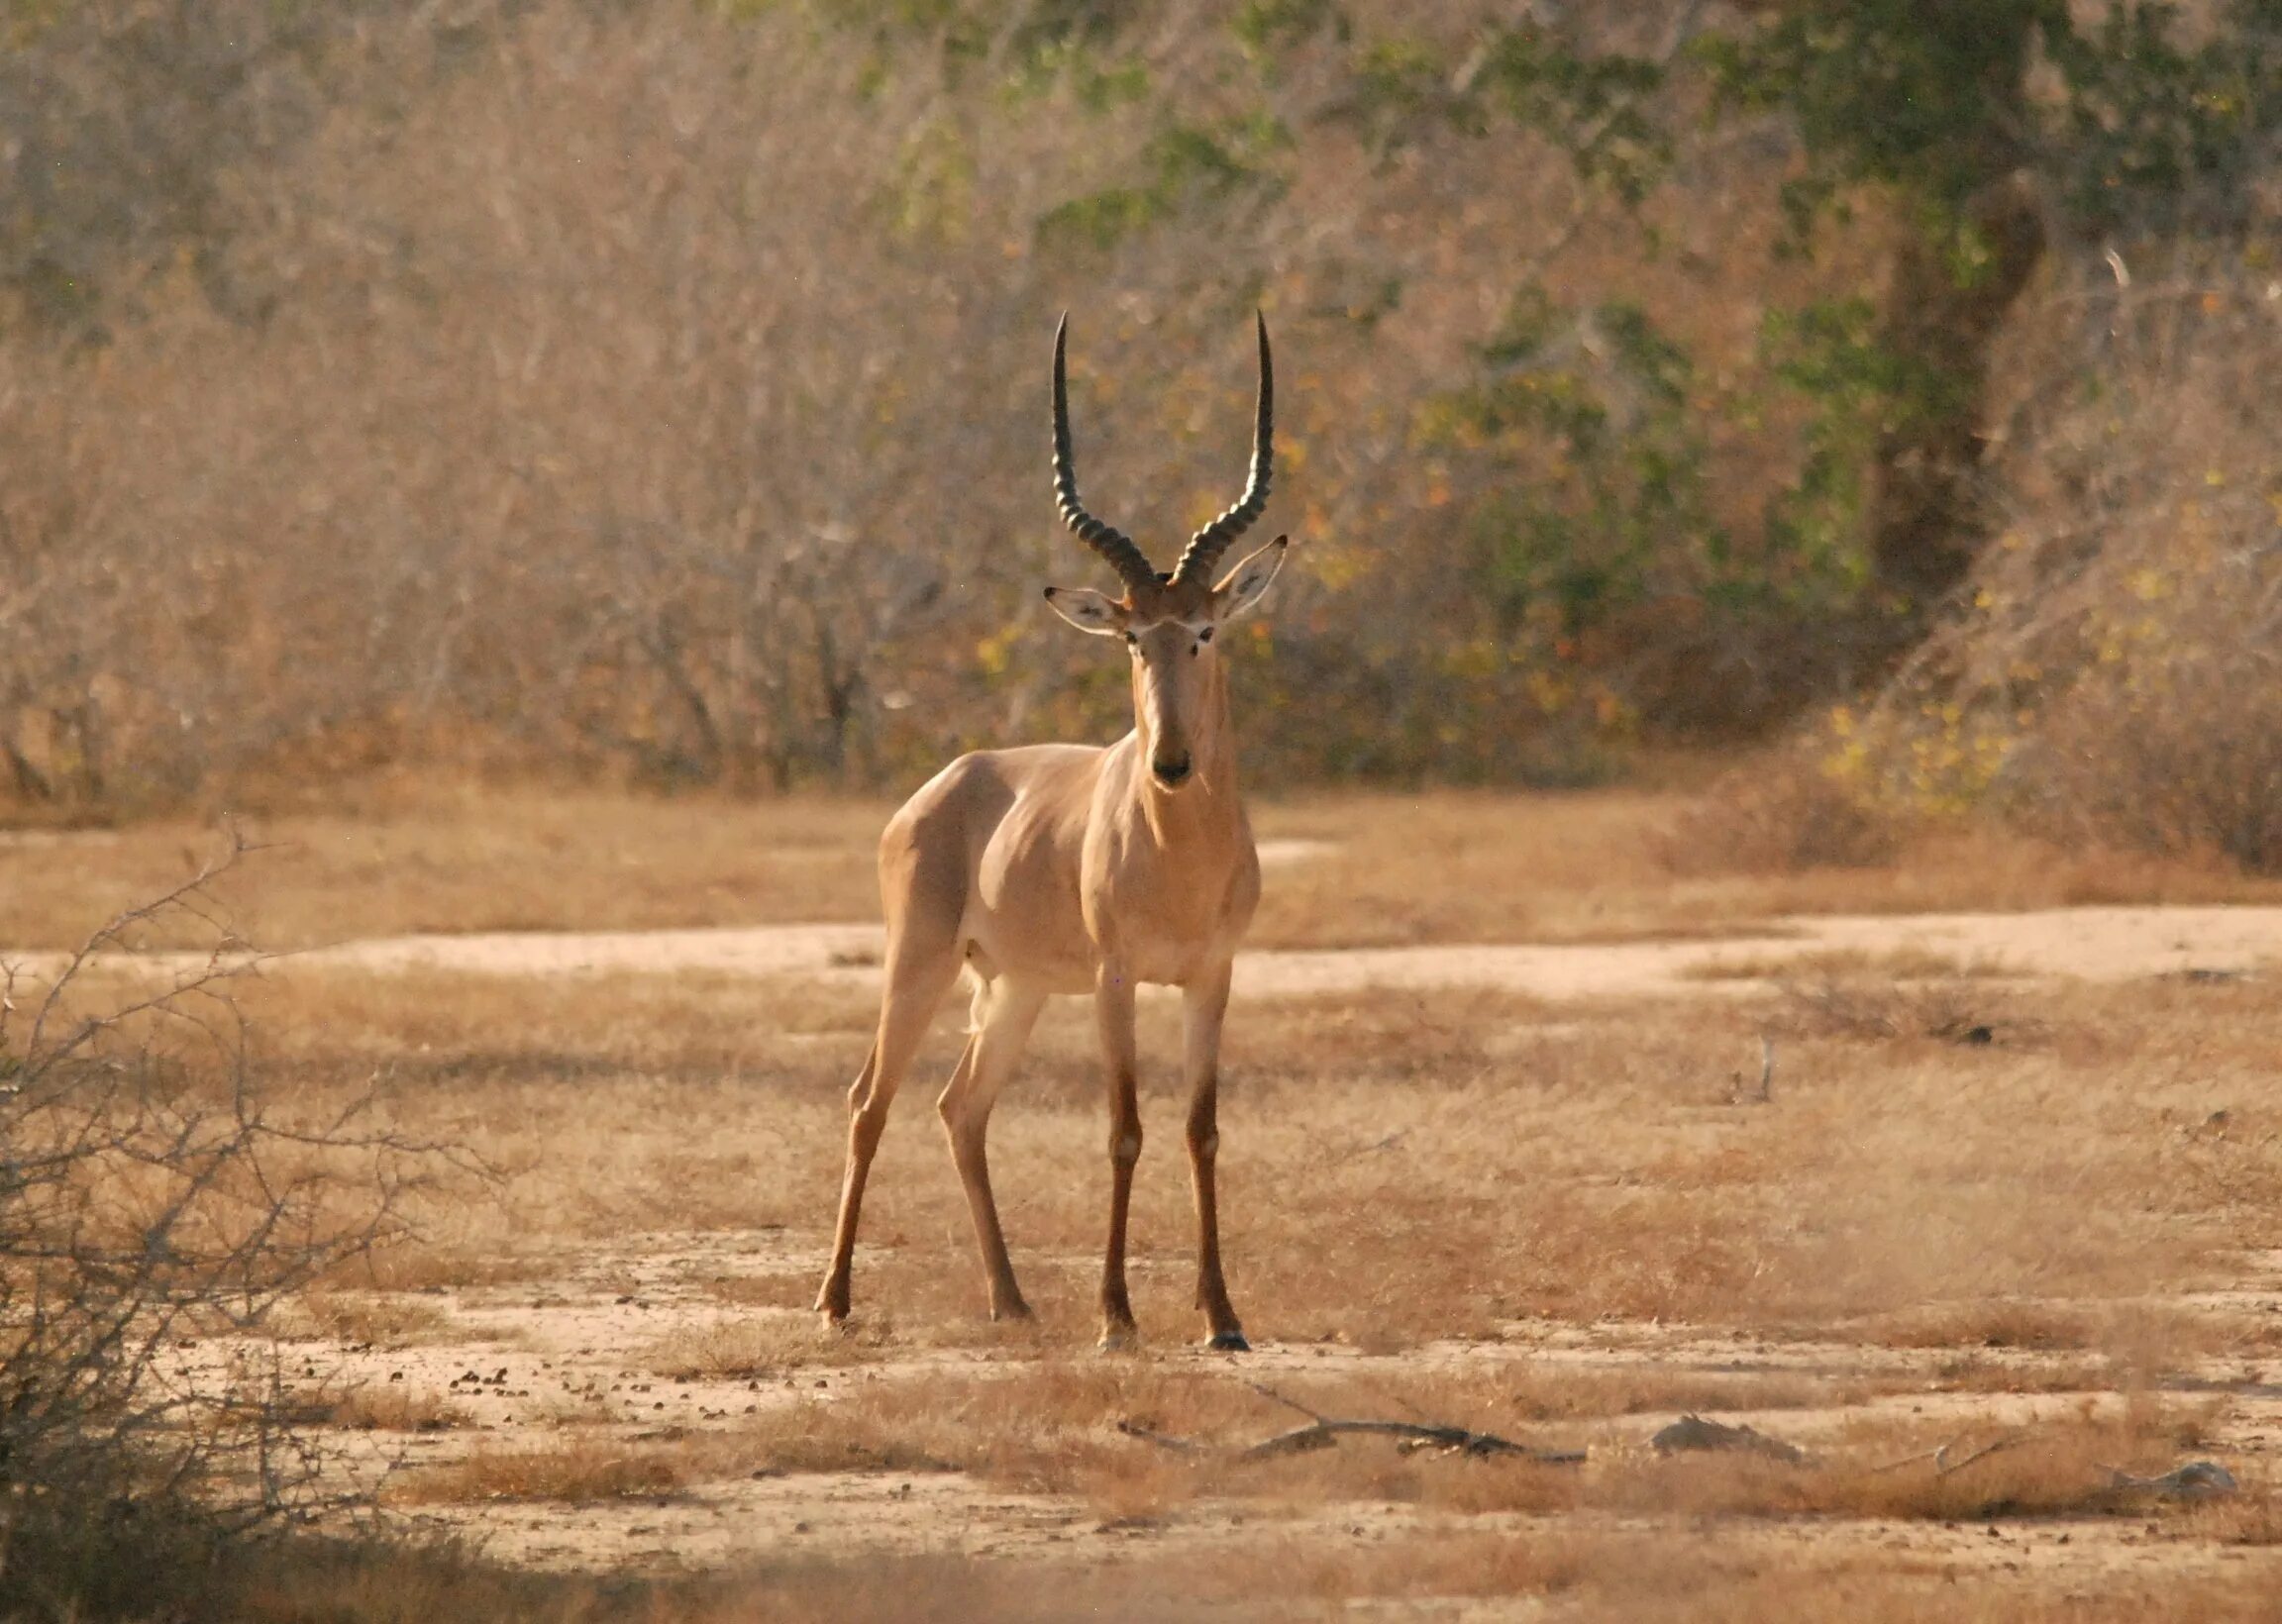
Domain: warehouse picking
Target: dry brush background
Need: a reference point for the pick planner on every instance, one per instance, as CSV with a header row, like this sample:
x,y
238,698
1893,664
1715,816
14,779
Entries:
x,y
558,465
653,392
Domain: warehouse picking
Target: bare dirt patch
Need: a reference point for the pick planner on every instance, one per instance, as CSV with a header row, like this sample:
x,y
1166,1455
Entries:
x,y
2108,944
394,857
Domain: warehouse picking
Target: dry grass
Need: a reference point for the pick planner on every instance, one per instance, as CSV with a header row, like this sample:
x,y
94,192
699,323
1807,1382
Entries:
x,y
1274,1575
1541,1393
576,1470
763,1345
1848,1003
370,1320
420,1264
1906,963
1592,1167
1779,816
1148,1440
1462,1205
1442,1165
385,858
1449,866
397,1407
2057,1467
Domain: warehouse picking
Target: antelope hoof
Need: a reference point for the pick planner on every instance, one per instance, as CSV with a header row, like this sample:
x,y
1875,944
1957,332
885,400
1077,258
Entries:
x,y
1017,1312
1118,1339
1228,1342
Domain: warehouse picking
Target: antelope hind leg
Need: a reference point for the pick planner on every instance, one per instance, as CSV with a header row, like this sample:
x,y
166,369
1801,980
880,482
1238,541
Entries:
x,y
1004,1017
914,990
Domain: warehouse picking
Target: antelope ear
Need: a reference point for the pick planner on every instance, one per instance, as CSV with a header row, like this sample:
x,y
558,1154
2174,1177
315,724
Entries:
x,y
1241,588
1086,609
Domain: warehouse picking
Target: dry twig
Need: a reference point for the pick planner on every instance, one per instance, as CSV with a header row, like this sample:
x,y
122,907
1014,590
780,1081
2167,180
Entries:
x,y
1323,1430
2196,1480
1944,1467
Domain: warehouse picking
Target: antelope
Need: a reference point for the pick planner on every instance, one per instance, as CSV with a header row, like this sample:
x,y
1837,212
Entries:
x,y
1048,869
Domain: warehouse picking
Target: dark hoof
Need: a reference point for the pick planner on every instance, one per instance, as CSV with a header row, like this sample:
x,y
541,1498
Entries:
x,y
1118,1339
1229,1341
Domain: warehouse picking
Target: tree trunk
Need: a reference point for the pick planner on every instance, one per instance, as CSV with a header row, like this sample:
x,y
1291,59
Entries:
x,y
1926,522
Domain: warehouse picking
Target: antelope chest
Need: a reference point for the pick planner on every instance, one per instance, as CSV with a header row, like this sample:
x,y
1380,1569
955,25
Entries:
x,y
1165,922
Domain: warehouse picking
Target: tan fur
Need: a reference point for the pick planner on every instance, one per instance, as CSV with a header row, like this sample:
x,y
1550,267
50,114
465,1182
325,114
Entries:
x,y
1069,869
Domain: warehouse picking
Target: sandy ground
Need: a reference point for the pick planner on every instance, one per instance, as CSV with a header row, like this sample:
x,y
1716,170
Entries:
x,y
583,1349
2095,944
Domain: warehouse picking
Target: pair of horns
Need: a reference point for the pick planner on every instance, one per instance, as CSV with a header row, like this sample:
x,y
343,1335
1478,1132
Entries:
x,y
1204,548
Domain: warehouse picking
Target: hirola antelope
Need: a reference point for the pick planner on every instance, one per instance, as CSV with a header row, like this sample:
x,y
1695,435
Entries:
x,y
1079,868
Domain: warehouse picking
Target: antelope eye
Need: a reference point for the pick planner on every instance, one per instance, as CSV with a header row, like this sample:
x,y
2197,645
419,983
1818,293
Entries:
x,y
1133,640
1204,635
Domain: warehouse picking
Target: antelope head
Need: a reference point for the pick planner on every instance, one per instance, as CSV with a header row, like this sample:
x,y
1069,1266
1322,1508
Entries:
x,y
1169,619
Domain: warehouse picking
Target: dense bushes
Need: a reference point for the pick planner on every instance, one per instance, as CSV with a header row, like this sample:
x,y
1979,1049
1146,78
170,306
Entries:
x,y
660,393
656,392
2110,675
2115,673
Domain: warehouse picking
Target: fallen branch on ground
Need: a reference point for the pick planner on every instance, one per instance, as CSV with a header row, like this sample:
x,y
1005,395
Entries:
x,y
1944,1467
2196,1480
1323,1430
1163,1440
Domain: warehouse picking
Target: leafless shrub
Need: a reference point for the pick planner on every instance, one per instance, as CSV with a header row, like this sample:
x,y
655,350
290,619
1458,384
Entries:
x,y
653,392
1880,1007
156,1205
2181,759
1787,814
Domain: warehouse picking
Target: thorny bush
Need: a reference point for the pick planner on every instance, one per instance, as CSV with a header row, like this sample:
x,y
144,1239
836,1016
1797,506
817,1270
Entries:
x,y
156,1205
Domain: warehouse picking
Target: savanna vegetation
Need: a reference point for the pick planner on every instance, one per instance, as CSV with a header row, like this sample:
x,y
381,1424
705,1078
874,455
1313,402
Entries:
x,y
655,392
444,428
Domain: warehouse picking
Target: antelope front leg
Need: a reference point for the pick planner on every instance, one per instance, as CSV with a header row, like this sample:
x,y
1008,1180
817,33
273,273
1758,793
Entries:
x,y
1204,1004
1113,1010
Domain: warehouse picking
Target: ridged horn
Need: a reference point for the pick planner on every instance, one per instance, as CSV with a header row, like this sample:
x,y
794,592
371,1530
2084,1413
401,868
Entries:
x,y
1114,546
1207,546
